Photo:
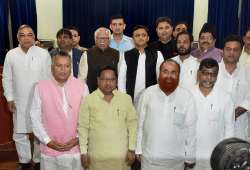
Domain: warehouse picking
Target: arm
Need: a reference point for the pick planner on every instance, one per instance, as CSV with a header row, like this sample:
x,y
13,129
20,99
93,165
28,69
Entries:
x,y
122,76
83,67
160,59
190,131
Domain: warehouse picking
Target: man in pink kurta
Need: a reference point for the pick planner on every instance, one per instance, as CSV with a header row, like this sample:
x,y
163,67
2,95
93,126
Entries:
x,y
54,115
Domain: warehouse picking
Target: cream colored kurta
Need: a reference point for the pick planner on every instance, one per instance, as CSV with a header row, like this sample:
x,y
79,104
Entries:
x,y
20,73
245,59
107,130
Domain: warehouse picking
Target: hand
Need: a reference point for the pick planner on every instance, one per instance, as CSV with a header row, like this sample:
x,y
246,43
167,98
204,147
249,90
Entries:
x,y
188,166
130,157
57,146
138,157
12,106
72,143
239,111
85,161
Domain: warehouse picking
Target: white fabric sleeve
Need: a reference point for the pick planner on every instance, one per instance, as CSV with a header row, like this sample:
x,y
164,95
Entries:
x,y
36,119
122,76
83,67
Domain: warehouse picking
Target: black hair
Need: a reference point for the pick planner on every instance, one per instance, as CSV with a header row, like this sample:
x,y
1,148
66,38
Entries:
x,y
191,38
233,37
140,27
209,63
163,19
64,31
107,67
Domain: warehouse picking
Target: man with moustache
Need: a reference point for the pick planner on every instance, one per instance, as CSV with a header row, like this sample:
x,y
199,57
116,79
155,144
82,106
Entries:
x,y
167,123
24,66
215,112
65,43
207,39
235,79
140,65
54,115
188,63
165,44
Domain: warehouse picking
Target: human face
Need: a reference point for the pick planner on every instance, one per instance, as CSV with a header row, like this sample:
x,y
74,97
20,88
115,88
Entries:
x,y
169,77
26,38
64,42
206,41
102,39
179,28
117,26
75,38
61,68
164,31
107,82
183,44
231,52
140,37
207,77
246,40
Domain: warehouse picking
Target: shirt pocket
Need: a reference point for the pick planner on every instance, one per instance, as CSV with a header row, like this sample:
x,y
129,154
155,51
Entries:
x,y
179,119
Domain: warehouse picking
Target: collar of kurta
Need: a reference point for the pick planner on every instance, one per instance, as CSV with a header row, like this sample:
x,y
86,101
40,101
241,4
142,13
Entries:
x,y
101,95
171,96
65,83
225,72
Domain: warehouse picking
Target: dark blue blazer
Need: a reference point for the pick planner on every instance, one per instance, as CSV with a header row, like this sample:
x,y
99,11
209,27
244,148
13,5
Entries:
x,y
76,56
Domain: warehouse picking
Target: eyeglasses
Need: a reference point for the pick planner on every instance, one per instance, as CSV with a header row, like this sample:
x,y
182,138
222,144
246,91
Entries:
x,y
206,73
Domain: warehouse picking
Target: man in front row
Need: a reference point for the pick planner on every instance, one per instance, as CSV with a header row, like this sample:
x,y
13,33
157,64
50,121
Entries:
x,y
215,112
167,121
54,115
107,126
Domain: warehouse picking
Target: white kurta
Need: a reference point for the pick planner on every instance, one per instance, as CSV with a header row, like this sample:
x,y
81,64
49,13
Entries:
x,y
237,84
20,73
140,83
215,122
189,67
166,130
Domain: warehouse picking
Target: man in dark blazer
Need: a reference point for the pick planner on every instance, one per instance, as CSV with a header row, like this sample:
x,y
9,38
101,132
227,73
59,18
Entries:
x,y
64,42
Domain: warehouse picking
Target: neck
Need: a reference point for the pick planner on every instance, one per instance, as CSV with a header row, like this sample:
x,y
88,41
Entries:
x,y
205,91
230,67
247,51
141,49
184,57
117,37
108,97
25,50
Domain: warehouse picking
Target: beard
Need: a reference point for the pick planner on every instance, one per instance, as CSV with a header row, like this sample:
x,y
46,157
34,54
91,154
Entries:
x,y
183,51
168,85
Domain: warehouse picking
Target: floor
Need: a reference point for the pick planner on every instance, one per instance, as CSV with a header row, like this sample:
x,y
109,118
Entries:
x,y
8,160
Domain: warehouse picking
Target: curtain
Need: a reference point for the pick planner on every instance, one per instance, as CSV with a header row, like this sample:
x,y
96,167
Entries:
x,y
22,12
224,15
88,15
245,16
4,38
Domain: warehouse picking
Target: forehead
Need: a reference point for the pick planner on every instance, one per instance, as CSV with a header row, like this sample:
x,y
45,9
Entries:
x,y
163,24
117,20
232,44
73,31
169,66
140,31
183,37
180,26
248,34
107,73
212,69
102,33
25,30
206,34
61,59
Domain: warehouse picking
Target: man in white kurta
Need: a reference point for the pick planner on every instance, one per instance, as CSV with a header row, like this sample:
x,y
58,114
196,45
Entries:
x,y
235,79
23,67
189,64
139,68
245,55
58,155
215,112
167,121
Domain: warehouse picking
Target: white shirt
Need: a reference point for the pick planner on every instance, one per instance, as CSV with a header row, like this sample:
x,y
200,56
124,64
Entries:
x,y
35,114
20,73
237,84
245,59
166,127
215,120
140,82
188,74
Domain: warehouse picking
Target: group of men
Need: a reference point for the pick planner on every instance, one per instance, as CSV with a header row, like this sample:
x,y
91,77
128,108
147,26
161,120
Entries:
x,y
121,101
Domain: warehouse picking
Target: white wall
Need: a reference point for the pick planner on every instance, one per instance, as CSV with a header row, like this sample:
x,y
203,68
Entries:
x,y
200,16
49,18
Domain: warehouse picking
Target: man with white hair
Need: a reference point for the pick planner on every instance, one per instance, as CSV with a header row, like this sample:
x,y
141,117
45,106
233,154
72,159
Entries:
x,y
97,57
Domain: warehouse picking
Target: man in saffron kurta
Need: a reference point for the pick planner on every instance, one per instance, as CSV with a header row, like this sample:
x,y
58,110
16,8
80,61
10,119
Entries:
x,y
54,115
107,126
